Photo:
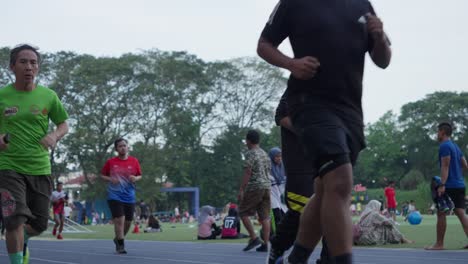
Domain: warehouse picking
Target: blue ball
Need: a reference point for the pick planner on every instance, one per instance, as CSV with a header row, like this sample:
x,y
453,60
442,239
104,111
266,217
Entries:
x,y
415,218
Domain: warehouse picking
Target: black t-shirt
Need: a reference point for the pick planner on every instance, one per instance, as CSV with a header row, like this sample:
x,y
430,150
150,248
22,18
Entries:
x,y
282,108
330,31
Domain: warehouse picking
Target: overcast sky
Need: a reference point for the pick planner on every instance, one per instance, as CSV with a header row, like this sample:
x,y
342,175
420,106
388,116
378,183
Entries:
x,y
429,37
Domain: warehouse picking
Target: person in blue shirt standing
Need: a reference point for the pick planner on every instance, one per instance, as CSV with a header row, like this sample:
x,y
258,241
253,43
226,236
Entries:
x,y
451,163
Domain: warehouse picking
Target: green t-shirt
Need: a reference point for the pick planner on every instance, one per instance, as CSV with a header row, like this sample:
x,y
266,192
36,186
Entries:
x,y
25,116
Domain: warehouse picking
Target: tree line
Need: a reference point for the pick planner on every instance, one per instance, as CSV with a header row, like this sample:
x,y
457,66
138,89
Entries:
x,y
186,120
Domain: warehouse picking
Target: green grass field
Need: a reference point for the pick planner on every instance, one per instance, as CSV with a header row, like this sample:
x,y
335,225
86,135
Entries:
x,y
423,234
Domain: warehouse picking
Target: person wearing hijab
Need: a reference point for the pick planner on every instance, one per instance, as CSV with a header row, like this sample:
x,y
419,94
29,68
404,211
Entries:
x,y
207,228
376,229
278,182
277,167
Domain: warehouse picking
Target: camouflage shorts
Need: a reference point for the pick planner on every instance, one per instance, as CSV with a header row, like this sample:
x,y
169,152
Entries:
x,y
257,201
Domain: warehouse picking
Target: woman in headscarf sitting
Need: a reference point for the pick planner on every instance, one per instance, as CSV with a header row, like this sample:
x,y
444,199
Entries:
x,y
278,182
207,228
376,229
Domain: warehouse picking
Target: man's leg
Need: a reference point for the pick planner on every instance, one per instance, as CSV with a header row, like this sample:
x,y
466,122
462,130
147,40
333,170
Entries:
x,y
129,211
15,242
61,221
264,215
248,206
254,241
57,224
119,227
15,212
15,238
248,225
440,229
127,226
300,187
310,230
335,215
460,213
309,235
332,209
17,235
264,211
32,212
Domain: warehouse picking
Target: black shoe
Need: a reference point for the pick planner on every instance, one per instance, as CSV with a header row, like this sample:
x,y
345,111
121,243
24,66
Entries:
x,y
116,242
252,244
262,248
122,251
274,255
120,246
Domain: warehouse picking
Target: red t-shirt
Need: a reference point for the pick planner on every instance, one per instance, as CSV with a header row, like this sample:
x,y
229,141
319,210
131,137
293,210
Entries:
x,y
391,199
124,191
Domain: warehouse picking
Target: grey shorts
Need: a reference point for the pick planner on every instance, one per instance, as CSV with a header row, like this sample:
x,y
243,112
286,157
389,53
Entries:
x,y
25,199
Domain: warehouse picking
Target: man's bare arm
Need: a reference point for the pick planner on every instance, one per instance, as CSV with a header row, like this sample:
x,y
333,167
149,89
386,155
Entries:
x,y
464,163
304,68
381,53
444,169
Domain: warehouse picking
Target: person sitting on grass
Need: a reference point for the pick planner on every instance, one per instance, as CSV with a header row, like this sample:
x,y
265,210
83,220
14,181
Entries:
x,y
207,228
231,224
153,225
376,229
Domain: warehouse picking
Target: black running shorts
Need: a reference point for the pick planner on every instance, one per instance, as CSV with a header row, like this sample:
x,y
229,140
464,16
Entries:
x,y
119,209
327,140
457,195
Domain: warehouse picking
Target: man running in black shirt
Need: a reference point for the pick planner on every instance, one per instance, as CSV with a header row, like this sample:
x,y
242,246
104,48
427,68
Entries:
x,y
299,187
329,40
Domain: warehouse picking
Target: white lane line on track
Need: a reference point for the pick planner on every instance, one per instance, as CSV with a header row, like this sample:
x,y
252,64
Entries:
x,y
132,257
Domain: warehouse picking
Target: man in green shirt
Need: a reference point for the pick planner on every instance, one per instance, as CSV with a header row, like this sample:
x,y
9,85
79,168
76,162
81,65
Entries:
x,y
25,183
